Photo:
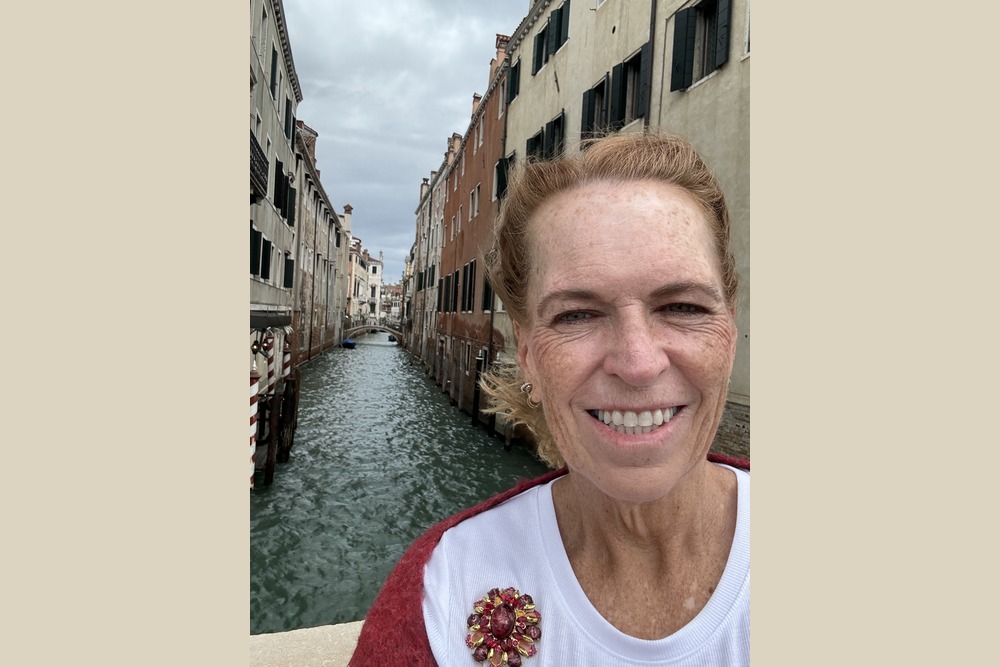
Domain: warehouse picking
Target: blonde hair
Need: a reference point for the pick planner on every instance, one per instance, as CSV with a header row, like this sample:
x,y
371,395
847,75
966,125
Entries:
x,y
651,155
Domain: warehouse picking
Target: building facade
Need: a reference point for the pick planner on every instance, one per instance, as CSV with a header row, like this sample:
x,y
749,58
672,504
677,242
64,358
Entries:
x,y
573,70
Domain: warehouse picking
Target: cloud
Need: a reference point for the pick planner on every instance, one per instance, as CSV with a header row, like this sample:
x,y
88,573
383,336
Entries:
x,y
385,84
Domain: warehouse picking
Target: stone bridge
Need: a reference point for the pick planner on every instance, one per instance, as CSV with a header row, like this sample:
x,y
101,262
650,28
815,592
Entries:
x,y
364,328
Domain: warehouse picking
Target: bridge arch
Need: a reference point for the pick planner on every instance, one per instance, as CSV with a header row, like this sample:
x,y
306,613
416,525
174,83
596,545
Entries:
x,y
364,328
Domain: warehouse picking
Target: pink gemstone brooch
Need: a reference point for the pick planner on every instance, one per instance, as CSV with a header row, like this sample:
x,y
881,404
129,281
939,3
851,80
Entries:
x,y
503,627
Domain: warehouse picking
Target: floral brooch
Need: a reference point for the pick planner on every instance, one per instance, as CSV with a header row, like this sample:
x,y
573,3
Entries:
x,y
503,627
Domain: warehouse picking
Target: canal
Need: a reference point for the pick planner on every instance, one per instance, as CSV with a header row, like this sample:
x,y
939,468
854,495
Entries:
x,y
380,455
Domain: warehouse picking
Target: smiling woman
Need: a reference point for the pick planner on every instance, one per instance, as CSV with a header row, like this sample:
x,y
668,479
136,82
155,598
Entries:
x,y
615,266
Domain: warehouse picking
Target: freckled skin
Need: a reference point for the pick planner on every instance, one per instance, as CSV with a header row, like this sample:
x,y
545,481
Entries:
x,y
626,311
625,345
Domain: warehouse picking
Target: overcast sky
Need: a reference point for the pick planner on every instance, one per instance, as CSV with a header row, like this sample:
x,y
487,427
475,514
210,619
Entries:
x,y
385,84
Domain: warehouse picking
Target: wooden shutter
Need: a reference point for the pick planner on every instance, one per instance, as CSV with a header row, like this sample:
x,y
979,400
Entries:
x,y
587,116
552,34
274,72
291,206
513,81
645,80
724,14
501,177
289,271
536,60
618,91
265,259
255,238
682,62
564,23
549,140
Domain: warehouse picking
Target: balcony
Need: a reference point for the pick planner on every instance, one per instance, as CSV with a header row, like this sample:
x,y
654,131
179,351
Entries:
x,y
258,170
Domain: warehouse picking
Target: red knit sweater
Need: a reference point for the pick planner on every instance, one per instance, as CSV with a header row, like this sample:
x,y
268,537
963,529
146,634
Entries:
x,y
393,632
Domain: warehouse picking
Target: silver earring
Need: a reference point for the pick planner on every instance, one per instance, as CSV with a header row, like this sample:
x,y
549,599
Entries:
x,y
526,390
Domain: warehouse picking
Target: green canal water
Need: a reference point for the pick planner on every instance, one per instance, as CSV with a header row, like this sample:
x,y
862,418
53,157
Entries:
x,y
380,455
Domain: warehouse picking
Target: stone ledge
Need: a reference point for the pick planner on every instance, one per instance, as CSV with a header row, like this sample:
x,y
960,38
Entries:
x,y
325,646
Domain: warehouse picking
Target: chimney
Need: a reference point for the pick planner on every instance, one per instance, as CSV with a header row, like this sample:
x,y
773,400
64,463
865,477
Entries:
x,y
476,99
423,187
347,216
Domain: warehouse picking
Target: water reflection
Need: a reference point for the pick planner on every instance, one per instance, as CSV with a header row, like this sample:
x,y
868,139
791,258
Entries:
x,y
379,455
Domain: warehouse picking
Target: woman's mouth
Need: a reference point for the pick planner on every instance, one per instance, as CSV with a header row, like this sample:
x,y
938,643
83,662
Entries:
x,y
632,423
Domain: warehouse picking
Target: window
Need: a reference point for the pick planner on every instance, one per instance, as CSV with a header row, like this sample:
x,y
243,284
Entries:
x,y
534,146
274,73
500,171
265,259
503,98
263,31
487,295
256,239
551,37
594,120
459,228
289,119
554,138
374,270
701,42
513,81
474,201
289,270
630,84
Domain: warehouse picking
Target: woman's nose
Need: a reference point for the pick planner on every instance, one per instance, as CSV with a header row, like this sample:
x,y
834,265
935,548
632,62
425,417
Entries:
x,y
637,352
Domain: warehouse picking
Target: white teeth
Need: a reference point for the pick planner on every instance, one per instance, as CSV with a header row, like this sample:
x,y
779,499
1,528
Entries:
x,y
632,422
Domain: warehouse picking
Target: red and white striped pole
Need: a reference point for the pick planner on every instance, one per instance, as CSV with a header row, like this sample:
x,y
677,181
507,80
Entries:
x,y
286,361
268,348
254,388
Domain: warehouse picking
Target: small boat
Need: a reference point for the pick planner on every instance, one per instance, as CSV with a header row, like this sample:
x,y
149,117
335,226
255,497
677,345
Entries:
x,y
348,343
392,339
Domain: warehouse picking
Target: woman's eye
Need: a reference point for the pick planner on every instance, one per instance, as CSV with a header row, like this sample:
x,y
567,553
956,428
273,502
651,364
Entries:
x,y
684,308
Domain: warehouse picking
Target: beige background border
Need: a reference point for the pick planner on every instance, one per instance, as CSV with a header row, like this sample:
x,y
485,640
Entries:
x,y
124,487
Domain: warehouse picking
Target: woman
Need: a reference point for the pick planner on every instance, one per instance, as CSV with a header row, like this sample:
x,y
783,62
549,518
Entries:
x,y
614,265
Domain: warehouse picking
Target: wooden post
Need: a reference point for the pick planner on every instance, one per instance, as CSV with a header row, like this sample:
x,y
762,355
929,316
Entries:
x,y
273,423
254,388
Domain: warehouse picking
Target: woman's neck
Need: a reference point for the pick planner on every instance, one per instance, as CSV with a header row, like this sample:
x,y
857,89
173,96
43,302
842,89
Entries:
x,y
649,568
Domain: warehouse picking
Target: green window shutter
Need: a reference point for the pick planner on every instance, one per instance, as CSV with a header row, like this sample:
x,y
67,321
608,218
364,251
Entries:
x,y
274,72
513,81
289,271
265,259
255,238
291,207
618,91
682,62
552,34
564,23
549,140
724,14
587,116
502,178
536,61
645,80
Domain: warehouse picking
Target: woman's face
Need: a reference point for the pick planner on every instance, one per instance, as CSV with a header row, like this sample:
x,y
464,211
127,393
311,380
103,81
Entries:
x,y
628,342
